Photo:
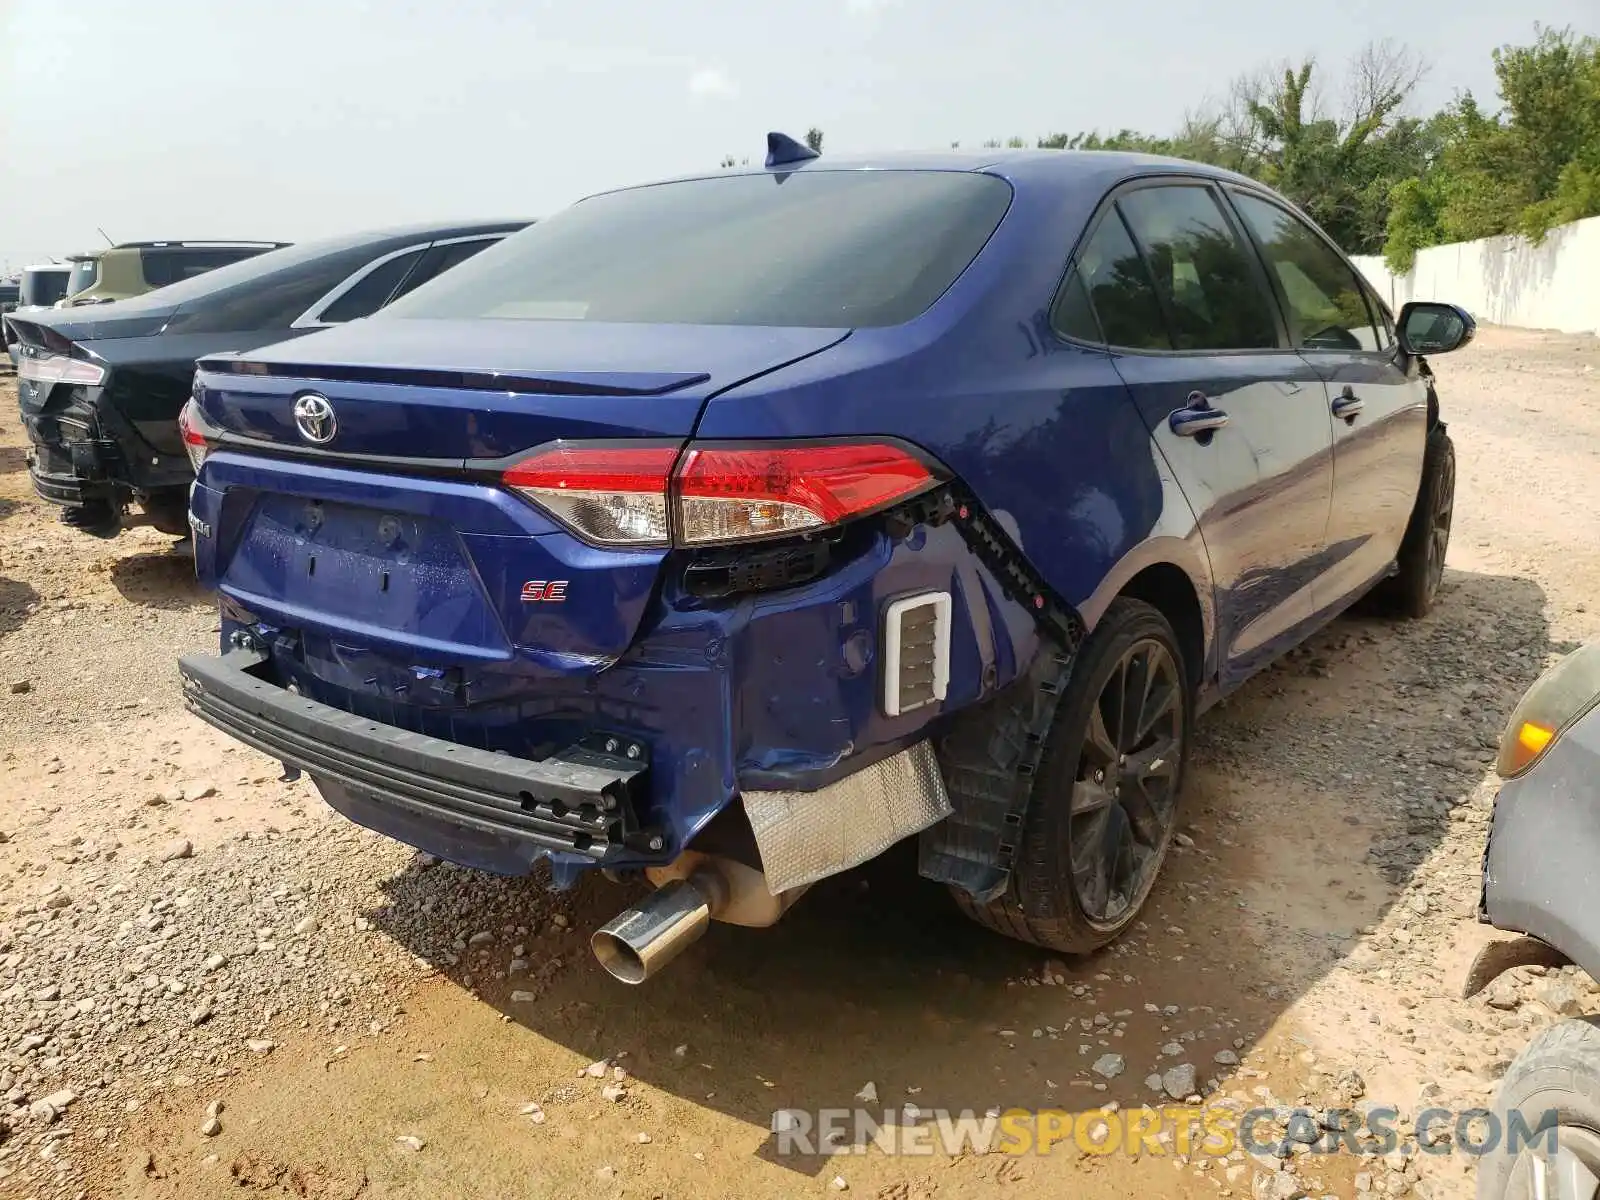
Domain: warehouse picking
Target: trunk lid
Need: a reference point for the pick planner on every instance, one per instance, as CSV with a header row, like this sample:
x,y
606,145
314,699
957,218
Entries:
x,y
393,538
484,389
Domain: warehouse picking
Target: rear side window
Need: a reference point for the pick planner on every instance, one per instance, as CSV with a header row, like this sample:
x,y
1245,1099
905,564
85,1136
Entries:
x,y
439,260
1118,287
1202,271
372,291
1326,304
827,249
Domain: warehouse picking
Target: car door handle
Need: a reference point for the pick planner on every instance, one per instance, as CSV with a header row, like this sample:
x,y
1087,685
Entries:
x,y
1348,406
1197,418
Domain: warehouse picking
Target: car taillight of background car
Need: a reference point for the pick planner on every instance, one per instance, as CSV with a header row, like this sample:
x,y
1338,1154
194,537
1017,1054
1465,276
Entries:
x,y
192,428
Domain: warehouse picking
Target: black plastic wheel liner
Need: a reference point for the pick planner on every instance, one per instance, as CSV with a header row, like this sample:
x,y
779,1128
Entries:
x,y
990,754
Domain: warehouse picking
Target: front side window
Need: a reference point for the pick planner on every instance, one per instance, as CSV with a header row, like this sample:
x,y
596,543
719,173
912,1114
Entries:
x,y
1201,270
826,249
1327,307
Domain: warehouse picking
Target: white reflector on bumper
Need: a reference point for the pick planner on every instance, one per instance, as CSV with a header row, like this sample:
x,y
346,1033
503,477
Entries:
x,y
916,652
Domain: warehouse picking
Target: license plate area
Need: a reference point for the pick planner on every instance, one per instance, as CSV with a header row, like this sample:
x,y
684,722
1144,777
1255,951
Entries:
x,y
354,566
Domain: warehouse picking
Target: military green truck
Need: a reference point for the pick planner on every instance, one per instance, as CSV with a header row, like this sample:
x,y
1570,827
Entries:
x,y
134,268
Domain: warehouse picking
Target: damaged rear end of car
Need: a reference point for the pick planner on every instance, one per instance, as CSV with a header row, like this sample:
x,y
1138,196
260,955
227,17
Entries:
x,y
93,412
483,580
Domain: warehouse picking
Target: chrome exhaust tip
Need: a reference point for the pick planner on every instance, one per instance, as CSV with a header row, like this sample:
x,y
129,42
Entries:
x,y
639,941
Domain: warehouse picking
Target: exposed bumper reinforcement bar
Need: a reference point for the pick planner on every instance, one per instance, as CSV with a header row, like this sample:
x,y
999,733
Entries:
x,y
70,490
581,801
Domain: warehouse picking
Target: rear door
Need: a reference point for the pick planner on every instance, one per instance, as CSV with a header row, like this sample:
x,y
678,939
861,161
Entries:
x,y
1241,418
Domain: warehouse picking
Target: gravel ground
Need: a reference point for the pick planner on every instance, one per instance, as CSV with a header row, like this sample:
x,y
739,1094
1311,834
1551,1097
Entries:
x,y
209,982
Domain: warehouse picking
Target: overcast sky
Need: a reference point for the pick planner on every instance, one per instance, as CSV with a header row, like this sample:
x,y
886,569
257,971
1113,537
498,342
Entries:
x,y
293,119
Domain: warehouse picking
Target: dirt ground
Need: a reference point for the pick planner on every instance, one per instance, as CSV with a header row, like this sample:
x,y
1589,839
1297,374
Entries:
x,y
180,928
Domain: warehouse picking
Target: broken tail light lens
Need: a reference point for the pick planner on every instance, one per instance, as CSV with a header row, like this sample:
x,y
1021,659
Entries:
x,y
622,495
742,493
610,495
192,430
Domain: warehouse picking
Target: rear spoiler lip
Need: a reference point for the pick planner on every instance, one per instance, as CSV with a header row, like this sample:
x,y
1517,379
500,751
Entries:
x,y
33,334
639,383
83,325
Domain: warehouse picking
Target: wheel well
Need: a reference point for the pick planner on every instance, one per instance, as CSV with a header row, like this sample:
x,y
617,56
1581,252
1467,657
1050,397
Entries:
x,y
1168,589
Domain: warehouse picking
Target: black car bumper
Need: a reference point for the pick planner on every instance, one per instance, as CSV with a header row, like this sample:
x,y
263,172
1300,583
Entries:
x,y
73,474
82,450
1541,867
423,790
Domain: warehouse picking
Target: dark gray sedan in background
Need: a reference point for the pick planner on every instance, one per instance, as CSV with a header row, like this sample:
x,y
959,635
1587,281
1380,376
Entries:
x,y
100,388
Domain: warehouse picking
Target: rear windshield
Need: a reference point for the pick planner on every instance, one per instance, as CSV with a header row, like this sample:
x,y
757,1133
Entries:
x,y
162,266
44,286
827,249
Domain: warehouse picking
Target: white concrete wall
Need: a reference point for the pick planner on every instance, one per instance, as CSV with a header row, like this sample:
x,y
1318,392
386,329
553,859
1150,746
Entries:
x,y
1507,280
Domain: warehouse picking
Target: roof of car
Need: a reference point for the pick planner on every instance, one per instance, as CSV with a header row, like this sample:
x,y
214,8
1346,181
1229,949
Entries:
x,y
247,271
437,229
1061,168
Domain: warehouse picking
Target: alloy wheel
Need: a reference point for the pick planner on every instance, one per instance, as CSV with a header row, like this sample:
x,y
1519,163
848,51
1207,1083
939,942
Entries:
x,y
1125,794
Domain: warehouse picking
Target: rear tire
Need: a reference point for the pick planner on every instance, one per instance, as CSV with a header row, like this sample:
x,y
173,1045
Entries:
x,y
1413,589
1558,1072
1123,821
168,510
98,518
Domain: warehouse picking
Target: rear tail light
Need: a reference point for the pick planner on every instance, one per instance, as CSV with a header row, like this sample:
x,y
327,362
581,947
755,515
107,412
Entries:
x,y
620,495
192,431
611,495
738,494
43,366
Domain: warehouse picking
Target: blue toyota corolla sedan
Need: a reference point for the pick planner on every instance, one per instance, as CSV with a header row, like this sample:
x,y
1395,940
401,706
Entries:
x,y
734,528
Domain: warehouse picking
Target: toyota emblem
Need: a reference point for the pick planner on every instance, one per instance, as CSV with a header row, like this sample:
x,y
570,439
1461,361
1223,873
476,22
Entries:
x,y
314,417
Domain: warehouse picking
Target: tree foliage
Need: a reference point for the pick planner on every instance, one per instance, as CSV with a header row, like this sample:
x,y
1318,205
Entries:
x,y
1531,165
1339,164
1380,178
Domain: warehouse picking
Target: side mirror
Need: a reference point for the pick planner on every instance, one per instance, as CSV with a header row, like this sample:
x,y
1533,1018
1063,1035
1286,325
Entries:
x,y
1427,327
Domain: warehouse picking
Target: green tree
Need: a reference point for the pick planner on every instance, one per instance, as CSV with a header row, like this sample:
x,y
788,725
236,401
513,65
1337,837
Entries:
x,y
1340,166
1526,168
